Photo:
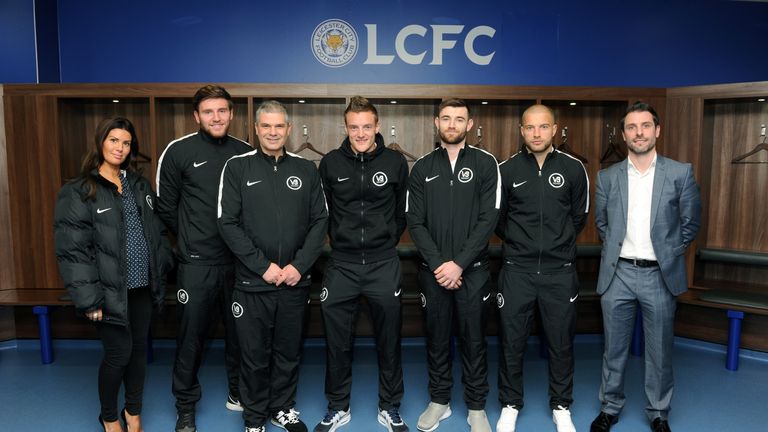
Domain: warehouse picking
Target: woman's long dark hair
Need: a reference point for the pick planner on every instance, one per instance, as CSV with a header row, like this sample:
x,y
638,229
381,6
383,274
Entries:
x,y
95,156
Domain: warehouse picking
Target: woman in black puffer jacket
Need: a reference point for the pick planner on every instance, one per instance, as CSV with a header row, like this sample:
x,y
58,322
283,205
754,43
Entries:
x,y
113,257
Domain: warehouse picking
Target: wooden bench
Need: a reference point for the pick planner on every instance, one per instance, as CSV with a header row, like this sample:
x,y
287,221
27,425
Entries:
x,y
735,298
42,299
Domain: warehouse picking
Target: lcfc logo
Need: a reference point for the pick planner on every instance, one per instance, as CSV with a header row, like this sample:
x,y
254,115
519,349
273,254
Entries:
x,y
334,43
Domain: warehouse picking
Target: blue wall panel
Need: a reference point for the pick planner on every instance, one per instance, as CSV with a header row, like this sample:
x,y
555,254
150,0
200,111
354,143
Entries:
x,y
546,42
17,42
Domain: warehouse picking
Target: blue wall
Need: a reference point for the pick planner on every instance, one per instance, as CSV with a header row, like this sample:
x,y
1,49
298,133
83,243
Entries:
x,y
546,42
17,42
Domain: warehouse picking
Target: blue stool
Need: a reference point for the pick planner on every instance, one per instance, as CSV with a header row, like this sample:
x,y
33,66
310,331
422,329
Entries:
x,y
44,322
734,339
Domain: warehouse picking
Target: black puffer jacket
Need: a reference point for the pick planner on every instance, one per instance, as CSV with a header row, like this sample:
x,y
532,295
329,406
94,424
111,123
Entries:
x,y
90,245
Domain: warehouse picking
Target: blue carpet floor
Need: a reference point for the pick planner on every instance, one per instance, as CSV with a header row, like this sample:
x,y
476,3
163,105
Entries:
x,y
62,396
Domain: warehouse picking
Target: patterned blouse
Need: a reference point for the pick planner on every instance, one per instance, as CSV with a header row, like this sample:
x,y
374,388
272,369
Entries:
x,y
136,250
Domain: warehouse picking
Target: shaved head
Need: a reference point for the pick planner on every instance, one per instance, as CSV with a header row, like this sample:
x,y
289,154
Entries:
x,y
538,109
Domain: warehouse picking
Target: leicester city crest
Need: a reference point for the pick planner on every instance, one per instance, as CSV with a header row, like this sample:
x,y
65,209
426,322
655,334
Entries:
x,y
334,43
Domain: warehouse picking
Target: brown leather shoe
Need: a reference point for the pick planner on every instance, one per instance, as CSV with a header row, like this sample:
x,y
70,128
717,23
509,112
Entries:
x,y
603,422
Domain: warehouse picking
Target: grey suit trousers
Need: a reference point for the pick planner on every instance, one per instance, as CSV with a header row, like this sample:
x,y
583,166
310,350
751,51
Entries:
x,y
630,287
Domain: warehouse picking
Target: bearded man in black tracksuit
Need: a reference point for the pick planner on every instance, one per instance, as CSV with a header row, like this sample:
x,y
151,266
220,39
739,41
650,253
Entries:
x,y
452,208
365,184
272,215
544,207
187,190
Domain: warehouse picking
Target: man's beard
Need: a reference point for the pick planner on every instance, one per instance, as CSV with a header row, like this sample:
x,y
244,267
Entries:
x,y
459,138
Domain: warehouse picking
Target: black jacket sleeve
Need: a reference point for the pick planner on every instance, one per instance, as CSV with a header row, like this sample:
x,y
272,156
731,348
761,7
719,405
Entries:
x,y
317,227
416,215
490,200
169,190
501,225
73,236
579,197
400,195
327,188
164,260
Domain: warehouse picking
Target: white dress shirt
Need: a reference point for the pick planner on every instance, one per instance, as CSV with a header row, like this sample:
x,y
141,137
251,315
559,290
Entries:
x,y
637,242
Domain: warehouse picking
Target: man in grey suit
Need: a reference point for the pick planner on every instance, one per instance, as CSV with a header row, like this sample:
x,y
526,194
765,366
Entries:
x,y
647,211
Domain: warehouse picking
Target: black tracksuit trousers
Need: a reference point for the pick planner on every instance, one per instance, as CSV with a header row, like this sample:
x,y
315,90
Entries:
x,y
204,295
269,328
470,302
381,284
520,293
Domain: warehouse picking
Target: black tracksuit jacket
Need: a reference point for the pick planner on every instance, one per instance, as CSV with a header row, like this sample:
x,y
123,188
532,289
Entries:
x,y
188,176
542,212
271,211
452,214
90,245
366,200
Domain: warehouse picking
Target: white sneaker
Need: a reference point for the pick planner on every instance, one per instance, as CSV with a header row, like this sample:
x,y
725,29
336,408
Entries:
x,y
256,429
429,420
391,420
233,404
478,421
508,419
334,420
562,418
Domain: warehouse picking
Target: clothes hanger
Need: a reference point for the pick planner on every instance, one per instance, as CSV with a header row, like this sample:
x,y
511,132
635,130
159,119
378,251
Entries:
x,y
306,145
479,135
396,147
762,146
565,149
613,153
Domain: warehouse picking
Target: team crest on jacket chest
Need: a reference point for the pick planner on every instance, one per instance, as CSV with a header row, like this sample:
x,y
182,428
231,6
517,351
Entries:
x,y
379,179
465,175
182,296
556,180
293,183
237,310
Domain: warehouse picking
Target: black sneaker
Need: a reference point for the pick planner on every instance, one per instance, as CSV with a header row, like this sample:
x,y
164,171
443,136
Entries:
x,y
391,420
233,404
185,421
333,420
289,421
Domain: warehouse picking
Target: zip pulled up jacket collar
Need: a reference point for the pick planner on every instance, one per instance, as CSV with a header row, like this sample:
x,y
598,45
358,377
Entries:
x,y
212,140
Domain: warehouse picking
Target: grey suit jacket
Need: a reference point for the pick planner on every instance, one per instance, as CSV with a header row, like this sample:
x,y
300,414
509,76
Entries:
x,y
675,219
